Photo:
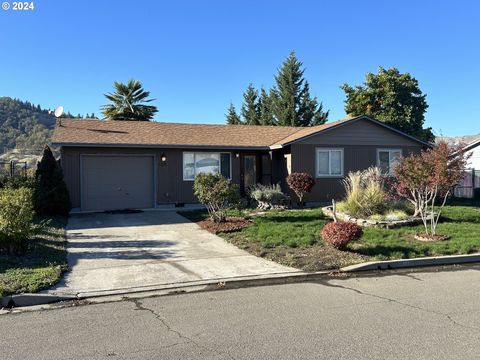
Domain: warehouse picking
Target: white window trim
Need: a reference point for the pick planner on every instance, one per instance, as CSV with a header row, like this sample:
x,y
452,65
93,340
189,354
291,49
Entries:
x,y
329,175
389,150
209,153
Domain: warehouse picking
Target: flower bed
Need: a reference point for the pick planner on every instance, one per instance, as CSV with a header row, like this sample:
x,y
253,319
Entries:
x,y
383,224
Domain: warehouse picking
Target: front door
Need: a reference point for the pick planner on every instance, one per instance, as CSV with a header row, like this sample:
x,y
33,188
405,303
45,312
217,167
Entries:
x,y
249,172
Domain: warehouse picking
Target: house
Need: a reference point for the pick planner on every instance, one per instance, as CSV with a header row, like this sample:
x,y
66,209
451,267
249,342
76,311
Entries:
x,y
470,184
473,148
123,164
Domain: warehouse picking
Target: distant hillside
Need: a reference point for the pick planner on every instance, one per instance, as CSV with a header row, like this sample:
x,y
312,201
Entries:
x,y
465,139
24,126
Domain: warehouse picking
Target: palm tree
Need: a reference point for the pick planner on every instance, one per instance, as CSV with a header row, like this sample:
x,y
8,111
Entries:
x,y
128,103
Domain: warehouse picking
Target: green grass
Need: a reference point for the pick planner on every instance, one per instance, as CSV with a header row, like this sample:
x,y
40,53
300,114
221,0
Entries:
x,y
300,229
40,267
462,223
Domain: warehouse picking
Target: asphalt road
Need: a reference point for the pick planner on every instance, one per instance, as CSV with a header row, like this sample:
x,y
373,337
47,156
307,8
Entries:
x,y
406,315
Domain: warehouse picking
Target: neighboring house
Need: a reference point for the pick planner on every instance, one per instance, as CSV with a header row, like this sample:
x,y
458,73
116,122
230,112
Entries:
x,y
128,164
471,181
473,148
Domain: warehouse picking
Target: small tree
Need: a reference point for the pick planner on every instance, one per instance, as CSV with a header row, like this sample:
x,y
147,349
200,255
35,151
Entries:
x,y
216,193
300,183
50,193
426,180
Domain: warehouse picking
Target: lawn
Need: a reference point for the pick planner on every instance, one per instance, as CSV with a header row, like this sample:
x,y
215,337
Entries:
x,y
40,267
292,238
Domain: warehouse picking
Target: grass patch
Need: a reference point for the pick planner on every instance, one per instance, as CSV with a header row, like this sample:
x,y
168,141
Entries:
x,y
292,237
41,266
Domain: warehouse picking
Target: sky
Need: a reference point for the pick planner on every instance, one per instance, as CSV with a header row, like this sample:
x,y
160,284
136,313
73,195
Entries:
x,y
195,57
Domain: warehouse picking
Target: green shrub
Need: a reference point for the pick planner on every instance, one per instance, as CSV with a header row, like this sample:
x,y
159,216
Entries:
x,y
268,196
50,195
395,215
16,219
16,182
217,194
365,193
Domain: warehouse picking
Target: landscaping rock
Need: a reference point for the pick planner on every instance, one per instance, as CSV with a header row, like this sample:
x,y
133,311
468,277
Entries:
x,y
384,224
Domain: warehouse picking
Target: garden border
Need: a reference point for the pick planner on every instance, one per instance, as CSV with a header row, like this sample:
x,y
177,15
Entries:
x,y
383,224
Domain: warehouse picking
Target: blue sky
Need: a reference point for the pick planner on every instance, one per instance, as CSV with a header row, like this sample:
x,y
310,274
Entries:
x,y
198,56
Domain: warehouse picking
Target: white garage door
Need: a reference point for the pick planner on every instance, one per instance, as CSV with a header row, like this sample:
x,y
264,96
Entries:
x,y
117,182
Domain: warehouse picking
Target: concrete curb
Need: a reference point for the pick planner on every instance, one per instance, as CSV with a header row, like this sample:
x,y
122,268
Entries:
x,y
22,300
34,302
412,263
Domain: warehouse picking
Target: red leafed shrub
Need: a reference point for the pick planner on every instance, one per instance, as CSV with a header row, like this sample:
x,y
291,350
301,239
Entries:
x,y
300,183
339,234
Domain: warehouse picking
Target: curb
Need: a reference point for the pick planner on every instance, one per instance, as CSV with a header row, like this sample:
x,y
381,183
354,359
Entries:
x,y
412,263
23,300
34,302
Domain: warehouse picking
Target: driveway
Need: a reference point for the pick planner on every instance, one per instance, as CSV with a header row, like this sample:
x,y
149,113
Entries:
x,y
110,253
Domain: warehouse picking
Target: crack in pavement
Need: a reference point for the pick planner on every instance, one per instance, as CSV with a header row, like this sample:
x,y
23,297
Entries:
x,y
139,306
447,316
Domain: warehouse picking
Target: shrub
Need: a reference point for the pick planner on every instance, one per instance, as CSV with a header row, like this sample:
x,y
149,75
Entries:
x,y
300,183
16,182
217,194
365,193
268,196
16,216
50,195
391,215
339,234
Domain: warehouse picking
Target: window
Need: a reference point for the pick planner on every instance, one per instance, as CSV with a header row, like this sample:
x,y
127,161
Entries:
x,y
329,162
212,163
387,159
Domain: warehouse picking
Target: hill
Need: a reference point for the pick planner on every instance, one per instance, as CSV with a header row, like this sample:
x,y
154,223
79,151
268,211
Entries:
x,y
24,126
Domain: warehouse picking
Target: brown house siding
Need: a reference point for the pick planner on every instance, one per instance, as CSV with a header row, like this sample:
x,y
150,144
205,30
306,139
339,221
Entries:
x,y
359,140
171,188
355,157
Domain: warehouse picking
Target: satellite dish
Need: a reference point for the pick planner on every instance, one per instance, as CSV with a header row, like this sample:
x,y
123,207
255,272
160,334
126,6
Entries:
x,y
58,111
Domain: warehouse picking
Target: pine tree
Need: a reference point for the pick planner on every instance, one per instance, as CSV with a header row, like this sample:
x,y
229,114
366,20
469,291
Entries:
x,y
265,105
249,111
232,116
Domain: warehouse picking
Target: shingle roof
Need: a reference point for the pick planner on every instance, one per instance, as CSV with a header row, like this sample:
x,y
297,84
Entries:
x,y
74,132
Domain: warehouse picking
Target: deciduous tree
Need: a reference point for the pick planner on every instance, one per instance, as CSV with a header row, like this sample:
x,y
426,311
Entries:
x,y
393,98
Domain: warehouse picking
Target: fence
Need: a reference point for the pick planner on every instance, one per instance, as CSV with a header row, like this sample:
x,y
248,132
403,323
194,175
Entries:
x,y
471,181
13,168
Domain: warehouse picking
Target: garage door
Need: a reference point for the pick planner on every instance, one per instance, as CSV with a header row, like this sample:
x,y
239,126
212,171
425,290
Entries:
x,y
117,182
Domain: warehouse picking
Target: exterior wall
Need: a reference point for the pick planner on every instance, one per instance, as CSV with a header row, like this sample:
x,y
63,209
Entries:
x,y
170,187
360,141
474,161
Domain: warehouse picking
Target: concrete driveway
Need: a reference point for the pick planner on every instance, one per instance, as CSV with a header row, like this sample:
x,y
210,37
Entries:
x,y
110,253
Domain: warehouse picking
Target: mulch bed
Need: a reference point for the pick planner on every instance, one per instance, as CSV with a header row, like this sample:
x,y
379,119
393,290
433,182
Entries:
x,y
230,225
431,238
316,257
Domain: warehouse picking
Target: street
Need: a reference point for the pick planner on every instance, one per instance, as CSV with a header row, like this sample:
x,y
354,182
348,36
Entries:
x,y
422,314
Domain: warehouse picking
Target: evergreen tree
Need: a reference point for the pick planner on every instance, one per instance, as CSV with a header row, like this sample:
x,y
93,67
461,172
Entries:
x,y
265,105
311,112
232,116
249,110
287,91
288,103
50,193
292,103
